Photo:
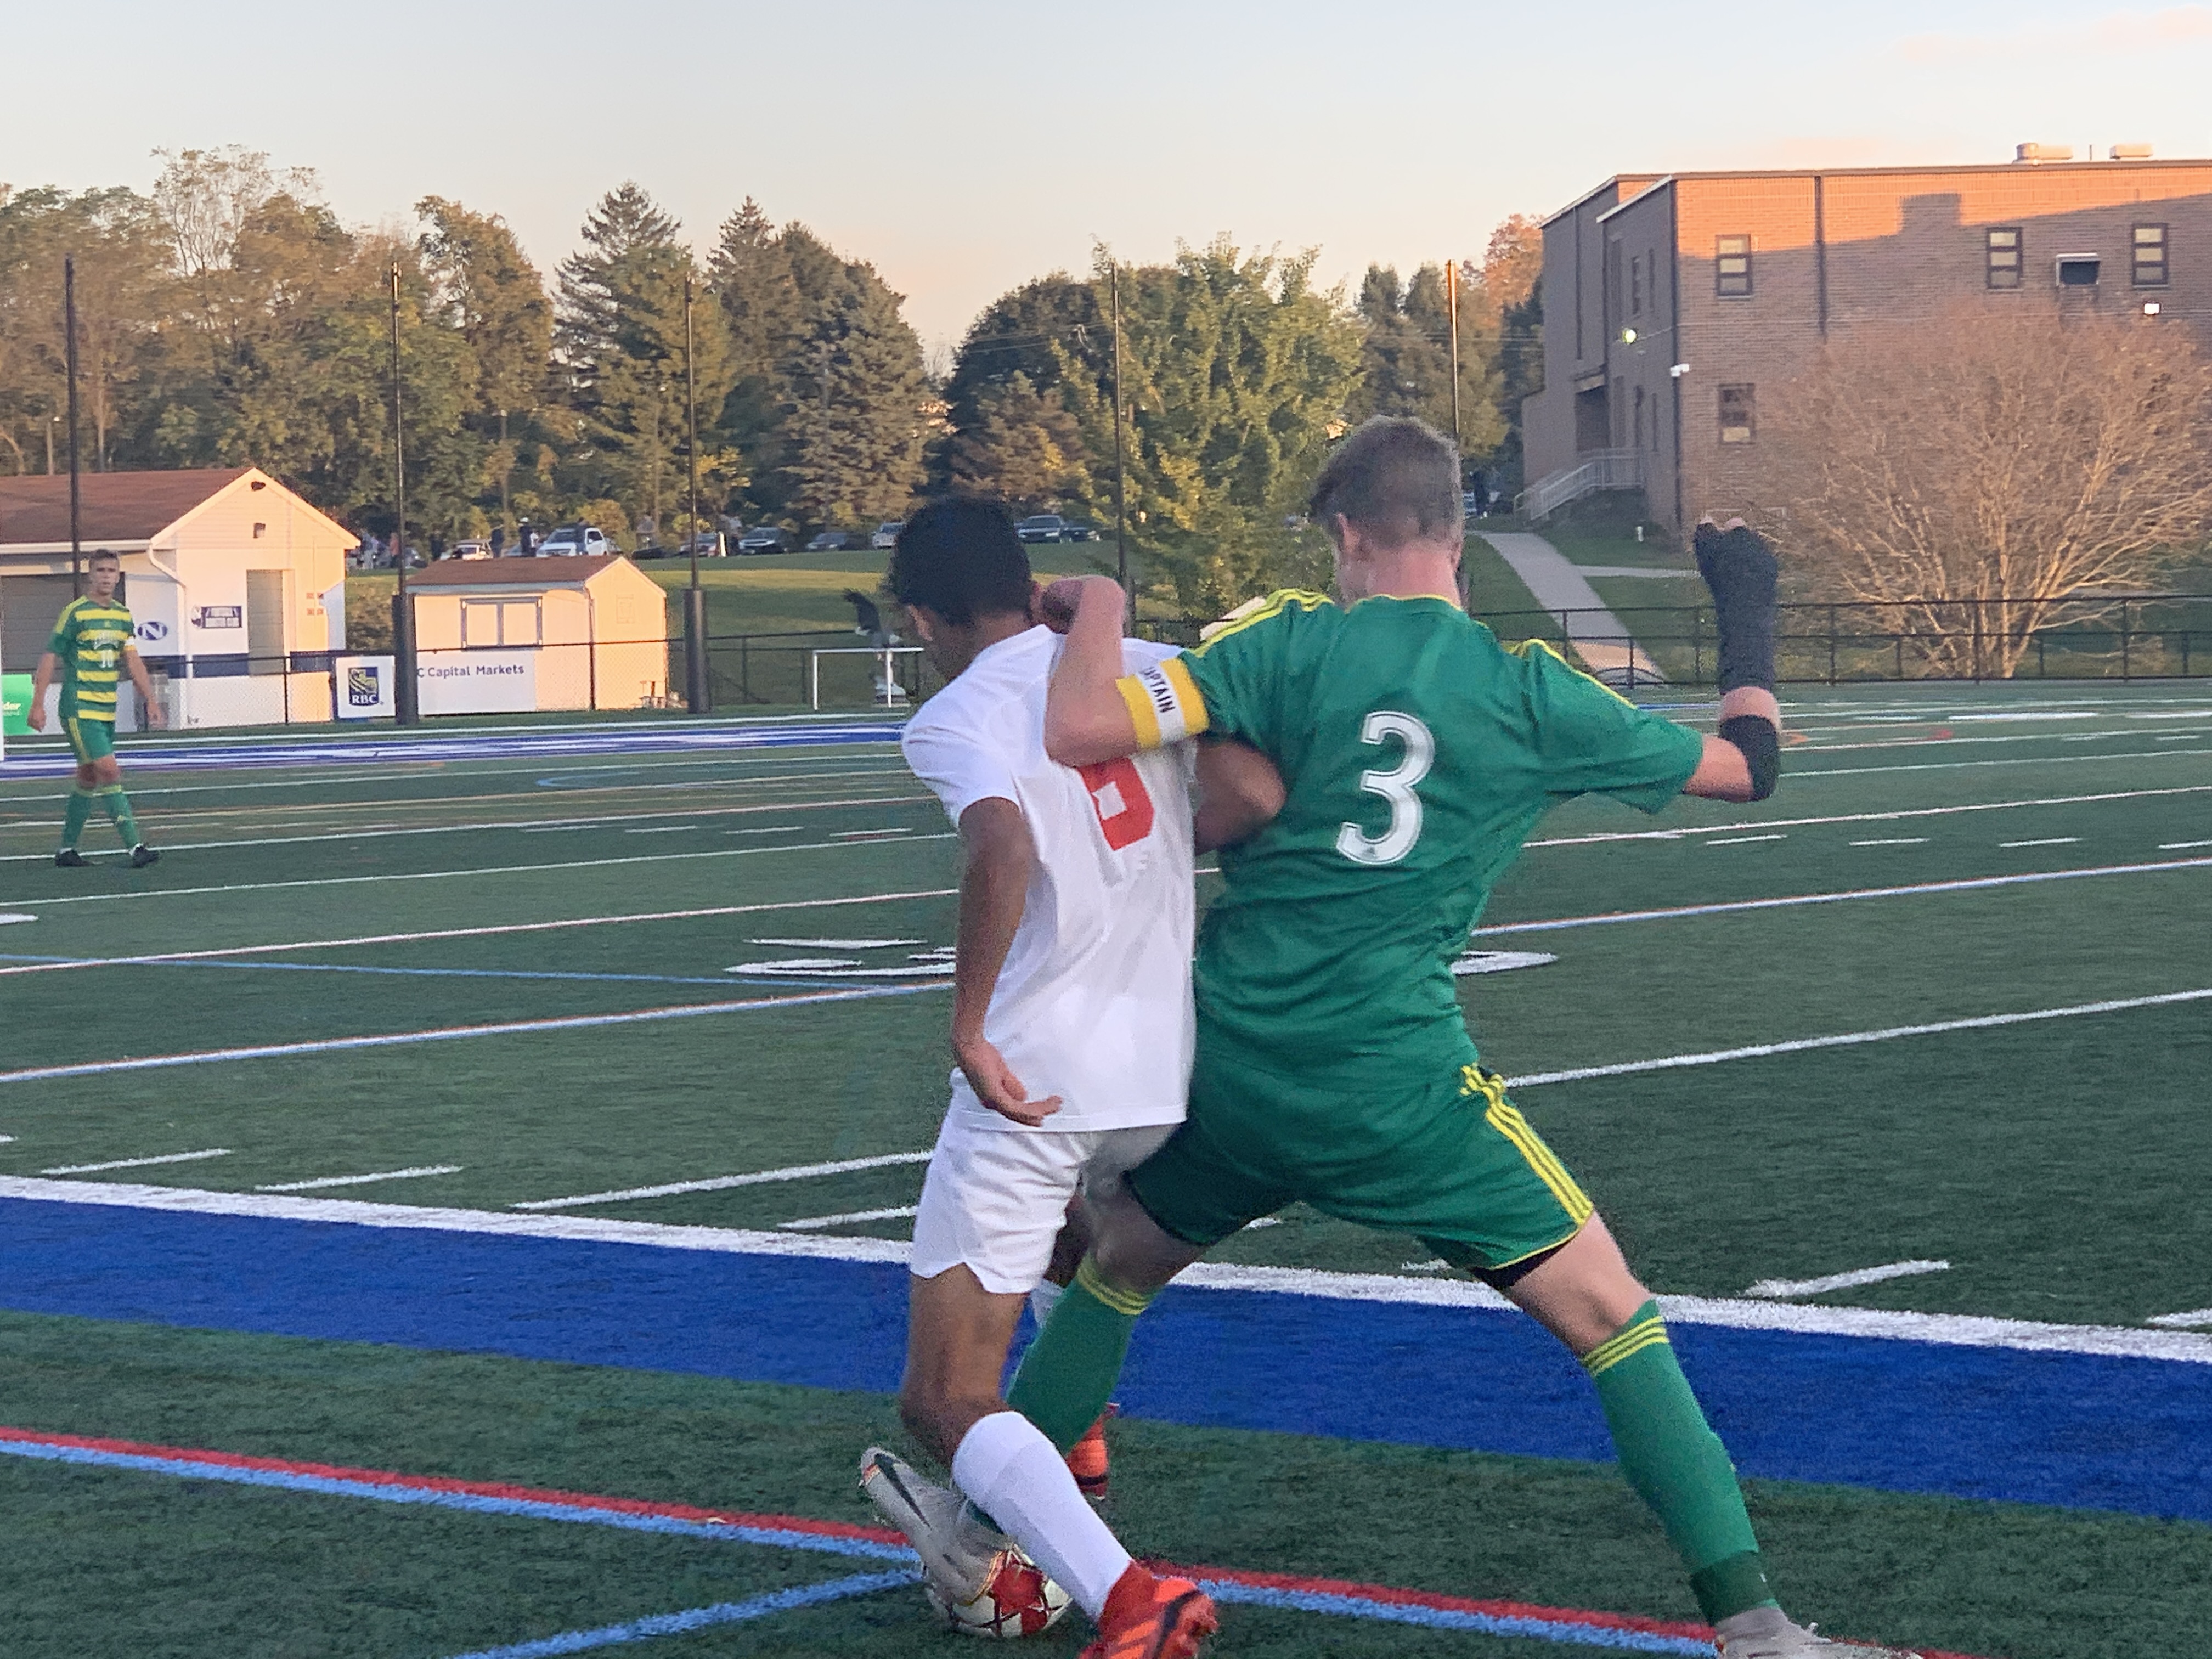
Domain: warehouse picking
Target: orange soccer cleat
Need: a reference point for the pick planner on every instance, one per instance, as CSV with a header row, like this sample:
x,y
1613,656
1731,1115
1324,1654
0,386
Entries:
x,y
1147,1616
1086,1459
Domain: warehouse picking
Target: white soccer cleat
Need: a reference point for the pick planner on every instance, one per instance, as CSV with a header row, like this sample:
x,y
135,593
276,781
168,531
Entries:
x,y
1785,1640
958,1552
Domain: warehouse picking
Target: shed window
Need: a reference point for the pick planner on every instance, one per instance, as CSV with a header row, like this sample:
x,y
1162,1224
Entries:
x,y
2000,256
1739,423
1732,267
2150,268
499,622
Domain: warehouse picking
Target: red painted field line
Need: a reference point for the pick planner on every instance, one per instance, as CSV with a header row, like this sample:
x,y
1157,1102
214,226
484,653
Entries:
x,y
1382,1594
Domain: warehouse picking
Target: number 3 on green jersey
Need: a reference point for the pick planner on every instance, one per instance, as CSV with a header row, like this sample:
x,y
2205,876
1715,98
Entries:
x,y
1395,784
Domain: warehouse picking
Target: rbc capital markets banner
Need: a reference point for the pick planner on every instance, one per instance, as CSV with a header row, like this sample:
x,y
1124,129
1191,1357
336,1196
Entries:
x,y
477,682
362,686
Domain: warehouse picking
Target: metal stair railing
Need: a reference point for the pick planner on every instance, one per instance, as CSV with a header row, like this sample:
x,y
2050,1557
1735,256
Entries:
x,y
1602,469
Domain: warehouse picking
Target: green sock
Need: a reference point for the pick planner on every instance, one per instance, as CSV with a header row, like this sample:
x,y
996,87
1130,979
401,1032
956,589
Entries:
x,y
1678,1465
1069,1372
75,816
118,807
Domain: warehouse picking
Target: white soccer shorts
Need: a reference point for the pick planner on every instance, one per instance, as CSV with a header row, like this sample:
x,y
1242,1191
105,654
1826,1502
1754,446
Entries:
x,y
994,1199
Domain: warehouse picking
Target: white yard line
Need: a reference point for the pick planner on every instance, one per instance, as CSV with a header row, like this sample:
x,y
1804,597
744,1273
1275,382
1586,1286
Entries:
x,y
9,917
420,936
1784,1289
456,1033
415,1173
1947,1329
2182,1322
2048,841
1869,818
2163,846
1745,841
137,1162
1973,883
1897,841
1795,773
723,1183
1856,1039
491,870
816,1223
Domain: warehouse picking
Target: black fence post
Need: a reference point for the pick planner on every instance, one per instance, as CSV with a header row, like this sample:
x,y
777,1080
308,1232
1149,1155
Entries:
x,y
1832,645
2126,641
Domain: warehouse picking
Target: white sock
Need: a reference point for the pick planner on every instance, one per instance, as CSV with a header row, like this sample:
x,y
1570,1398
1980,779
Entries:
x,y
1015,1475
1043,1300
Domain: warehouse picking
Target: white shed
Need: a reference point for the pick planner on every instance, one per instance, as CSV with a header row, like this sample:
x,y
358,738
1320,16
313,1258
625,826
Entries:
x,y
495,635
229,575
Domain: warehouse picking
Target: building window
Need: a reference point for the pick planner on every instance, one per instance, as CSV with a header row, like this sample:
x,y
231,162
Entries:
x,y
488,623
2079,270
1732,267
2003,255
1738,419
1636,427
1636,286
2150,255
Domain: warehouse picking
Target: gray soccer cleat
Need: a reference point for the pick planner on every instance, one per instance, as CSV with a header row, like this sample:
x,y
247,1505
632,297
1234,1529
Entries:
x,y
958,1551
1778,1639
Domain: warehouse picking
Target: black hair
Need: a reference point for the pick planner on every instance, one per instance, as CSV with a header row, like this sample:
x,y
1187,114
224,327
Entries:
x,y
100,553
1395,477
961,559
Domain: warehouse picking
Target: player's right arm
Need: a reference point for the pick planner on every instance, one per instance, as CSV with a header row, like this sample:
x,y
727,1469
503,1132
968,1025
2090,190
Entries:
x,y
1086,719
41,678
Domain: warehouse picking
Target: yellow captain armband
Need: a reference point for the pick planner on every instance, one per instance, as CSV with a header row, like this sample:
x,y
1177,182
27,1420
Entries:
x,y
1165,703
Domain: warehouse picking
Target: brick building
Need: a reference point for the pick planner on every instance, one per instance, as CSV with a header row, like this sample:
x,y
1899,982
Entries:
x,y
1678,309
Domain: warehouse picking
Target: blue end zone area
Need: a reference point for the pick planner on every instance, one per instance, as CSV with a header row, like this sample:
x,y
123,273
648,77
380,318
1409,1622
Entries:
x,y
2086,1432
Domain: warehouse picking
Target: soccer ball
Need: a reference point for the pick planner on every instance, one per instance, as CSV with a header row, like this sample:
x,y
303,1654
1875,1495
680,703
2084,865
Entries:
x,y
1017,1600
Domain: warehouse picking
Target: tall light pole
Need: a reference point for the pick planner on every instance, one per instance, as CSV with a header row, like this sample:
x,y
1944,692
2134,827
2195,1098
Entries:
x,y
69,354
1121,526
698,691
405,706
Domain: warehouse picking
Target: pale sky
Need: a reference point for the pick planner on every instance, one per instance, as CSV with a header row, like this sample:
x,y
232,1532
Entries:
x,y
965,146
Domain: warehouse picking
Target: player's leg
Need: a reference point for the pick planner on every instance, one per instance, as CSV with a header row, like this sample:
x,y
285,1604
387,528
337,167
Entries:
x,y
108,791
78,812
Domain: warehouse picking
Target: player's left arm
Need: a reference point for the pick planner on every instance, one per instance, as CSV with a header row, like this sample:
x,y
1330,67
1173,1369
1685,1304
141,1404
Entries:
x,y
1086,720
156,716
1744,762
1239,792
994,891
41,678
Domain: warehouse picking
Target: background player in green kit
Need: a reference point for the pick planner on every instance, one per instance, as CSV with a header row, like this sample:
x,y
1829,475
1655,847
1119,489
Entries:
x,y
1333,1066
93,644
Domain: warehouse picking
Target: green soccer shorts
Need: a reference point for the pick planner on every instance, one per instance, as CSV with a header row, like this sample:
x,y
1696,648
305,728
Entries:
x,y
1441,1155
91,741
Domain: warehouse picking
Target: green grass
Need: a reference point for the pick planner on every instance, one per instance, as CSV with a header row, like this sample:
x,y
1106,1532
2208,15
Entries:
x,y
2055,1165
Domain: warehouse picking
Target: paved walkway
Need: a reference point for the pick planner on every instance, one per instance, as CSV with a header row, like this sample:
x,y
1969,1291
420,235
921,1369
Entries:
x,y
1600,638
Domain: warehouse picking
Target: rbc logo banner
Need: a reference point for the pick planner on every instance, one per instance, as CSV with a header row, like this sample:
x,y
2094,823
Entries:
x,y
364,685
361,688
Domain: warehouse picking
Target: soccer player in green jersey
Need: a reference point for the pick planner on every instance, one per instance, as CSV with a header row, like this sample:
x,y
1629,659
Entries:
x,y
93,644
1333,1064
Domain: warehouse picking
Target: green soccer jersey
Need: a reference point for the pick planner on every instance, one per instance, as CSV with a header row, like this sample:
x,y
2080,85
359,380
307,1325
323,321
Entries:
x,y
90,638
1419,753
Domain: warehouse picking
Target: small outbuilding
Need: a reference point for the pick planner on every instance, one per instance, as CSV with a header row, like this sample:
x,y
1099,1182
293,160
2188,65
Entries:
x,y
501,634
229,575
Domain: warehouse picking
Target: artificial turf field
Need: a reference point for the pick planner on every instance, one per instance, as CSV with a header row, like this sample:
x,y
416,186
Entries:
x,y
396,1269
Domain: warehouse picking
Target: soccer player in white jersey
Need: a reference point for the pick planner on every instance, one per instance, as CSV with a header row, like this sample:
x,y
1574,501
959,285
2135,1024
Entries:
x,y
1072,1029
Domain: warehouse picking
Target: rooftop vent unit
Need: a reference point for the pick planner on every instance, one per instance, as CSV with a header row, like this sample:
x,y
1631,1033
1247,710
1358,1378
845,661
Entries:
x,y
2044,153
2128,153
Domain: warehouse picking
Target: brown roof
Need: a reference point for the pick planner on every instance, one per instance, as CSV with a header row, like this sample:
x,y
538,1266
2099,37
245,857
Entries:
x,y
113,507
509,572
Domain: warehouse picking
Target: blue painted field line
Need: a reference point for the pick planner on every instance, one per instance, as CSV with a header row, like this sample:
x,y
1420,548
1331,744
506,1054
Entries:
x,y
455,1033
1483,1624
696,1619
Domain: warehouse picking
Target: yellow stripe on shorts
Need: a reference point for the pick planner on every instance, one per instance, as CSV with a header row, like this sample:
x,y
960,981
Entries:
x,y
1554,1174
1643,1334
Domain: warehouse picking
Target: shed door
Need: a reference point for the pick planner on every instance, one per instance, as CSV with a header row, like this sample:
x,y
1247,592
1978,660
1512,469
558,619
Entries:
x,y
265,620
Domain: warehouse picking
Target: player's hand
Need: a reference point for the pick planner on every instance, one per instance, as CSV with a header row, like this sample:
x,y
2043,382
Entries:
x,y
157,718
36,714
996,1085
1735,561
1058,602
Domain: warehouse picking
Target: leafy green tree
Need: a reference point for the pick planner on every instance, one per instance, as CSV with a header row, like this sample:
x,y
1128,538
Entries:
x,y
1407,356
857,422
1512,290
1236,373
1021,446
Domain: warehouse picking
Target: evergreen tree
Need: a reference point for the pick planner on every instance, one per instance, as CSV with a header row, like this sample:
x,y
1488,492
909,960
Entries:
x,y
856,427
1021,446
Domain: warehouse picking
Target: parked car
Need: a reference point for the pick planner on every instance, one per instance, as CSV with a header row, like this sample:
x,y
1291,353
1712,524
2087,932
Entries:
x,y
765,538
887,534
471,550
830,541
712,544
1043,527
573,541
1076,532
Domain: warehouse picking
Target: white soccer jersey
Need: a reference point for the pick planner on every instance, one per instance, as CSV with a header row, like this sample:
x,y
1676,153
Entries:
x,y
1094,1003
